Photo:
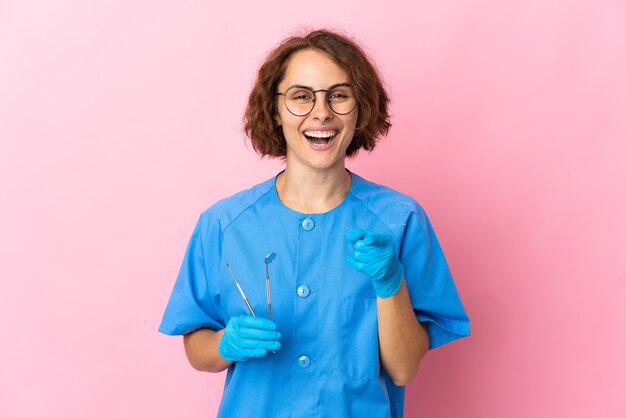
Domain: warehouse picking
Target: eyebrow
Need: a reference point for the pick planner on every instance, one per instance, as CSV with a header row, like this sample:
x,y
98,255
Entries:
x,y
330,88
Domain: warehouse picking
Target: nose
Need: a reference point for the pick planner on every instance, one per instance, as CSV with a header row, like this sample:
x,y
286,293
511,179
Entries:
x,y
321,108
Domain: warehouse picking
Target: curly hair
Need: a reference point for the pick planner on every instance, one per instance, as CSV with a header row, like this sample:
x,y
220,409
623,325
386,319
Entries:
x,y
372,100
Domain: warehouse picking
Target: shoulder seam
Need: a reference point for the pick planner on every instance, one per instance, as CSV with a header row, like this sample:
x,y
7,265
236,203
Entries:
x,y
372,212
245,209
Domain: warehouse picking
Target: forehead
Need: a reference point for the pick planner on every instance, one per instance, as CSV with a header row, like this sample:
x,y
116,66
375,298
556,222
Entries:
x,y
313,68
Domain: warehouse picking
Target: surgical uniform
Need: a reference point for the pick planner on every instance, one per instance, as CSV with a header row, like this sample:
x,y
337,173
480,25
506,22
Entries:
x,y
329,363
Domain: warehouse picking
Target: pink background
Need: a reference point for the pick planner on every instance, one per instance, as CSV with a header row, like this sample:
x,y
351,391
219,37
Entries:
x,y
120,123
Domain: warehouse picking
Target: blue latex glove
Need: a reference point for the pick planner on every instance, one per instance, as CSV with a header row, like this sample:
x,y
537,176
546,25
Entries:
x,y
248,337
374,254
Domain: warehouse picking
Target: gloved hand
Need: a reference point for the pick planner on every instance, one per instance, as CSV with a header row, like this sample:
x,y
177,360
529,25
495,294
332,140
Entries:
x,y
374,254
248,337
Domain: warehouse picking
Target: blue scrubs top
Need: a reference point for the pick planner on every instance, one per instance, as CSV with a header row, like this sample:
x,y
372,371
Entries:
x,y
329,364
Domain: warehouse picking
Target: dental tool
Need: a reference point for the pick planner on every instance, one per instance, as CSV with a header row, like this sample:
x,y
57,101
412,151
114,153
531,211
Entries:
x,y
243,295
268,260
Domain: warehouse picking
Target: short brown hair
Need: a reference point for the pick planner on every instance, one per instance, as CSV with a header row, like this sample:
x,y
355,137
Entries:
x,y
373,120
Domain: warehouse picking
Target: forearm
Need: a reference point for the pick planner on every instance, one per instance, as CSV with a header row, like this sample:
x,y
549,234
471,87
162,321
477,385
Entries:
x,y
403,340
201,347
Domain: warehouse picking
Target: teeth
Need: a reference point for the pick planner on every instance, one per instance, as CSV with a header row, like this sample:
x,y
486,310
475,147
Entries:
x,y
320,134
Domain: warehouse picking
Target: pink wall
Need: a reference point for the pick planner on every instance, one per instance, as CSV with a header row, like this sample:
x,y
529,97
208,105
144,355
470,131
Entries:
x,y
120,122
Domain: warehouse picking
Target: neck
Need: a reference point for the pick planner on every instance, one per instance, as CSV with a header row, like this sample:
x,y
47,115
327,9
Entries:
x,y
313,191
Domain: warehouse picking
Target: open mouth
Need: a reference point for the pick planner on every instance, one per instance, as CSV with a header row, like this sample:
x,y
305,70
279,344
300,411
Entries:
x,y
320,138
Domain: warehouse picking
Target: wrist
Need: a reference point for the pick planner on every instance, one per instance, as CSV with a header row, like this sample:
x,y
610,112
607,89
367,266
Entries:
x,y
391,282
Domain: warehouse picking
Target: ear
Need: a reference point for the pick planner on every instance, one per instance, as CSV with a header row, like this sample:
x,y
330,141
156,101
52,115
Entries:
x,y
278,120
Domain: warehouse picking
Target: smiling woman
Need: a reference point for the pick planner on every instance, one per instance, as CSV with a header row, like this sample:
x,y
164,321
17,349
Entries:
x,y
361,288
317,137
366,89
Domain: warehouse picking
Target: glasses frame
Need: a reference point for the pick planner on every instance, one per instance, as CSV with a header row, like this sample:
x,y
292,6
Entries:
x,y
330,106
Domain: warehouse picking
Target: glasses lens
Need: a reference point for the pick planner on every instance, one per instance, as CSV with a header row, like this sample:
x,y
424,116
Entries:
x,y
301,100
341,100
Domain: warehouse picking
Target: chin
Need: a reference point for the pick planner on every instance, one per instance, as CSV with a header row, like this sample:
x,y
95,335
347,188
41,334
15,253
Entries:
x,y
327,164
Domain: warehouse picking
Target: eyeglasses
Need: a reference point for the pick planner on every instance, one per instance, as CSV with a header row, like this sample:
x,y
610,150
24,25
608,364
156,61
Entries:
x,y
300,100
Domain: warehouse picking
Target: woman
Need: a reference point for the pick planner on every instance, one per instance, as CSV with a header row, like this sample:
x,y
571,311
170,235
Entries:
x,y
360,288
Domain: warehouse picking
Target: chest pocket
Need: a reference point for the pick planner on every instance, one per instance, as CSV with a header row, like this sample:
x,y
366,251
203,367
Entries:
x,y
359,338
